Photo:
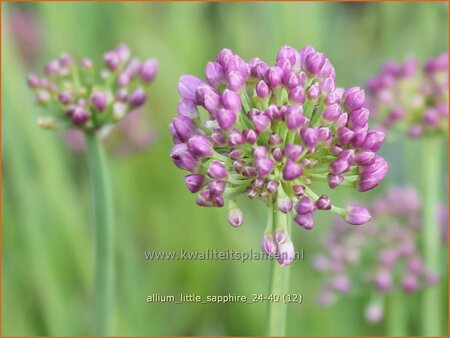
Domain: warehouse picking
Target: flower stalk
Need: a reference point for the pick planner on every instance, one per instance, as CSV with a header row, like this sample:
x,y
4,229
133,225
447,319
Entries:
x,y
396,316
102,212
279,285
431,176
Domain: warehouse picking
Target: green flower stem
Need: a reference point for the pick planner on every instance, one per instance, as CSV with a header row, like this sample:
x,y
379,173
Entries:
x,y
276,311
101,199
396,316
431,180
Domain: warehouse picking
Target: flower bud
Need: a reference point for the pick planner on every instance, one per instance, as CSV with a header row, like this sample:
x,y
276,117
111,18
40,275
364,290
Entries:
x,y
286,253
250,135
33,81
274,76
262,90
184,127
299,190
235,81
332,98
291,80
284,204
323,203
123,51
341,283
344,136
277,154
216,187
218,139
309,136
235,216
281,236
214,74
80,116
64,97
334,180
273,113
138,98
86,64
259,69
306,221
313,92
353,98
314,63
293,151
226,119
383,281
52,68
294,117
187,108
292,171
268,245
410,283
297,95
148,70
272,186
235,138
339,166
332,112
194,182
98,100
187,86
217,170
264,166
305,206
358,118
112,60
373,141
183,159
373,313
327,86
235,154
261,123
357,214
231,101
200,146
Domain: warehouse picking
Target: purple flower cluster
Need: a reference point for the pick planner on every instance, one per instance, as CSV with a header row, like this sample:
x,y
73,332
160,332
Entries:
x,y
412,99
382,255
270,132
73,97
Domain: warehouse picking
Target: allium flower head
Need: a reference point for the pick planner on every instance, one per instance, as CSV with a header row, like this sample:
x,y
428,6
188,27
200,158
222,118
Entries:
x,y
411,98
271,132
382,256
74,96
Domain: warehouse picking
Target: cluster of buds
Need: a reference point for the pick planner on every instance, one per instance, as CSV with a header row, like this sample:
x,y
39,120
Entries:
x,y
270,132
131,135
73,97
380,257
411,99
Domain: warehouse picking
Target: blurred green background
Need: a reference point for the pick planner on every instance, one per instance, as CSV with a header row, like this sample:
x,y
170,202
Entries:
x,y
47,238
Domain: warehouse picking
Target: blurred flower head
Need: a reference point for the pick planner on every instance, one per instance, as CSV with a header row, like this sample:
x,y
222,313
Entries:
x,y
410,98
129,136
74,97
270,132
380,257
26,33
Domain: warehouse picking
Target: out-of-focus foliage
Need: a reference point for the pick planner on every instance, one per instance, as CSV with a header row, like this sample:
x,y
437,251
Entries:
x,y
47,239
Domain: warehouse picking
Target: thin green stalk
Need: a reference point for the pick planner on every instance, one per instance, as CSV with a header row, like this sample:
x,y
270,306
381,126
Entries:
x,y
101,199
396,315
431,180
279,286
